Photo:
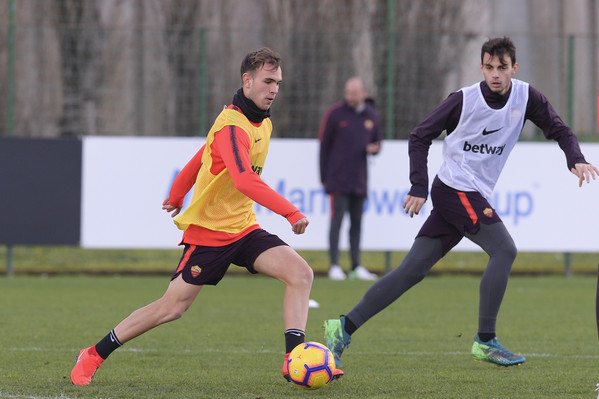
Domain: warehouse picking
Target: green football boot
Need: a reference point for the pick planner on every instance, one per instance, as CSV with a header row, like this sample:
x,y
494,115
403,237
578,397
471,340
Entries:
x,y
336,337
494,352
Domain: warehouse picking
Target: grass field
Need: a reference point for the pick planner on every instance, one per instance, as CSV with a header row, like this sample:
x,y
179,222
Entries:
x,y
230,345
52,260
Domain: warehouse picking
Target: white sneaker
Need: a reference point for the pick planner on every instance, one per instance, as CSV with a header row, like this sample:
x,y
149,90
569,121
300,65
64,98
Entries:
x,y
361,273
336,273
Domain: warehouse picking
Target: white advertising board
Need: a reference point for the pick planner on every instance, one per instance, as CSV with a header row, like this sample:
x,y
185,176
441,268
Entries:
x,y
126,179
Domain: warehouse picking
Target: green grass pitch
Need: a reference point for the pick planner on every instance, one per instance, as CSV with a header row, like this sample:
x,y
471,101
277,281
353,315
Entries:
x,y
229,344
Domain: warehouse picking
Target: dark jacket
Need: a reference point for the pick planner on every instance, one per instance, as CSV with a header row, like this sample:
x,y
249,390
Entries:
x,y
343,136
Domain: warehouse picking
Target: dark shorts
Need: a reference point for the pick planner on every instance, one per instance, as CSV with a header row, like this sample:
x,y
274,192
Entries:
x,y
203,265
456,213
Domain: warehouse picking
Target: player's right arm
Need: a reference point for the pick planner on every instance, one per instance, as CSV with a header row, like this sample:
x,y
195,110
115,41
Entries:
x,y
412,205
445,117
182,184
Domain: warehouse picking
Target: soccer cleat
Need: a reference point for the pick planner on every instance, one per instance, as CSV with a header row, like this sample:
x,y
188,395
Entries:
x,y
285,370
337,338
494,352
361,273
338,373
86,364
336,273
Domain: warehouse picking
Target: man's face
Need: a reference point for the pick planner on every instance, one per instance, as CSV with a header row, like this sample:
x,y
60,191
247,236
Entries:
x,y
263,86
355,94
498,73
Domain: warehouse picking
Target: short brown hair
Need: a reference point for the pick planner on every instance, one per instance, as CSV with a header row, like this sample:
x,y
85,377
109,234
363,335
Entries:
x,y
255,59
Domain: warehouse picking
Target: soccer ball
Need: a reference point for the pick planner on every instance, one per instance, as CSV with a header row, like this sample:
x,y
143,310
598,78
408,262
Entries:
x,y
311,365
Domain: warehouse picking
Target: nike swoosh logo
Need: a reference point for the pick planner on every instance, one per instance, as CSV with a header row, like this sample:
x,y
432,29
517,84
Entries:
x,y
485,131
296,334
255,141
498,356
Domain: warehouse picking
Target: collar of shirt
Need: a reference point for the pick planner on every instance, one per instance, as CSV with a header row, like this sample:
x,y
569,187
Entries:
x,y
494,100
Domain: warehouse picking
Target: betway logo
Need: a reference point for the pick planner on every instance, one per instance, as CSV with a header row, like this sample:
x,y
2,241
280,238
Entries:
x,y
484,148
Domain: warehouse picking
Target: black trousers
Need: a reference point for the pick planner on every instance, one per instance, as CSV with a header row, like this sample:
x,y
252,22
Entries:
x,y
340,205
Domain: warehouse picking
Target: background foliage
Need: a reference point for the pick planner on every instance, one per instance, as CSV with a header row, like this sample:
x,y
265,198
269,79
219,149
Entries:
x,y
166,67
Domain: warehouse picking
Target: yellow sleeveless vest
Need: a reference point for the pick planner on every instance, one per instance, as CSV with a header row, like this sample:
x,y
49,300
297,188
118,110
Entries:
x,y
216,203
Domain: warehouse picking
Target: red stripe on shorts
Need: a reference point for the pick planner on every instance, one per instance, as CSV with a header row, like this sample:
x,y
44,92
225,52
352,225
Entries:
x,y
185,258
468,207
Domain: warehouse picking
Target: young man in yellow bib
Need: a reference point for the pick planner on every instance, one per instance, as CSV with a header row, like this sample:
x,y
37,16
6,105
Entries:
x,y
220,225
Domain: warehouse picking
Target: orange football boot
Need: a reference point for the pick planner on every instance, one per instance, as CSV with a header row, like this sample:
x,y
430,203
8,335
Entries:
x,y
338,373
285,370
86,364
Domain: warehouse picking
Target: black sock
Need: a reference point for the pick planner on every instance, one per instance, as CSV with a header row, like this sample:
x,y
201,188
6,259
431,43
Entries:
x,y
350,327
486,337
293,337
107,345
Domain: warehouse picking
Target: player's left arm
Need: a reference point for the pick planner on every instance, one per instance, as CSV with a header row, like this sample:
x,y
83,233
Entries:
x,y
540,111
234,147
584,172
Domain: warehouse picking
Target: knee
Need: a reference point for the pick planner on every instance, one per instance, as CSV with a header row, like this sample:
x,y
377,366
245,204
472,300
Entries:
x,y
509,250
170,315
177,312
414,274
513,251
302,274
172,310
307,275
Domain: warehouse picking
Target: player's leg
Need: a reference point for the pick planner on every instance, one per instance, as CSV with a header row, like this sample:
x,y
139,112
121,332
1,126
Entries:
x,y
496,241
471,213
177,298
284,264
181,292
436,237
425,252
339,206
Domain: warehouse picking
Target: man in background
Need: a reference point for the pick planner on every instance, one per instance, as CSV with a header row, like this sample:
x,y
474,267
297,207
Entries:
x,y
349,132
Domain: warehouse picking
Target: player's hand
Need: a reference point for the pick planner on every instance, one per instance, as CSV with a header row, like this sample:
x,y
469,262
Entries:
x,y
299,227
585,171
412,205
169,208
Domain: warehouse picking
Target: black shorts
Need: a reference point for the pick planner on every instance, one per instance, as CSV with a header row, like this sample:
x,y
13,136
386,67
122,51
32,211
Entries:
x,y
203,265
456,213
